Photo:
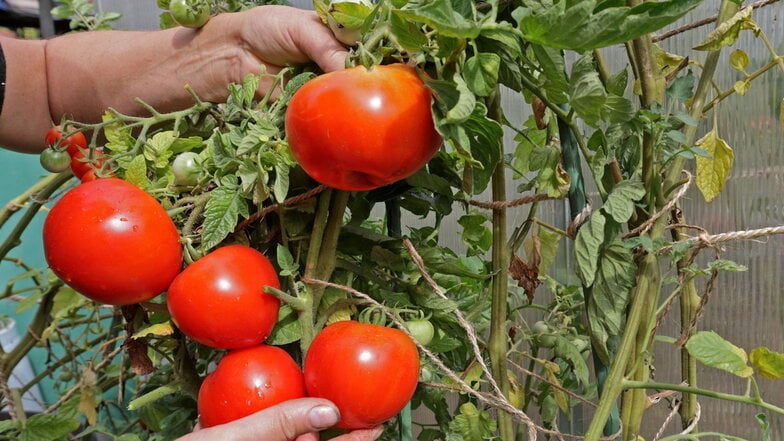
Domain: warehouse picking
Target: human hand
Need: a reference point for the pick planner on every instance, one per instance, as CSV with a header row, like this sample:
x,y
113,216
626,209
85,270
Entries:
x,y
298,420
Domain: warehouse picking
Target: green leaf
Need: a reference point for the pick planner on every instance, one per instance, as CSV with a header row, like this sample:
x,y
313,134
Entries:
x,y
727,33
481,73
769,364
287,329
553,78
222,212
712,350
288,266
566,350
158,149
472,424
441,16
586,90
600,23
406,35
466,102
713,172
607,304
349,14
48,427
136,172
620,202
682,88
587,245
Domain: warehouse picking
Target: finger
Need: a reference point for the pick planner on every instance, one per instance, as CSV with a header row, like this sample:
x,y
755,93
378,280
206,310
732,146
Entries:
x,y
282,422
320,45
361,435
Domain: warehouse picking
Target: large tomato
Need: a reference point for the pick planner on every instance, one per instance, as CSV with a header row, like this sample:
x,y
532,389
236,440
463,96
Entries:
x,y
359,129
369,371
219,300
112,242
247,381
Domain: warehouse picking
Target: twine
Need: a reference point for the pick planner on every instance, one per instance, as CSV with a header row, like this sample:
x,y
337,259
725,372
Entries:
x,y
500,205
275,207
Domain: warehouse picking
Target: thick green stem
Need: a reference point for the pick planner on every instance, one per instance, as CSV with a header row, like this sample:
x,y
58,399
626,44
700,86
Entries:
x,y
500,268
321,258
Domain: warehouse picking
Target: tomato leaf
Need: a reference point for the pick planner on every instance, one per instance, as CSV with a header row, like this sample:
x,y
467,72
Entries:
x,y
136,172
158,148
441,16
587,244
601,23
620,202
713,171
727,33
712,350
586,90
47,427
222,212
406,35
481,72
287,329
769,364
472,424
606,307
553,81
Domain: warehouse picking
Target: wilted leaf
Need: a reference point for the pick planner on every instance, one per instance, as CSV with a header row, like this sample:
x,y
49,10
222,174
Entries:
x,y
712,172
527,276
712,350
726,33
159,329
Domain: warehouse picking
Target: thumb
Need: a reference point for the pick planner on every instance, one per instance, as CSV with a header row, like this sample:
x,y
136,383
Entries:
x,y
281,422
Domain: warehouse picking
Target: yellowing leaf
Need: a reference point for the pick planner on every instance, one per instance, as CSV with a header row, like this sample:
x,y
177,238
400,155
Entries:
x,y
726,34
741,87
769,364
159,329
713,171
739,60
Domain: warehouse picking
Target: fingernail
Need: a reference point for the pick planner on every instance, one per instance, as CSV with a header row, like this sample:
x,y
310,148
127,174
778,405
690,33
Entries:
x,y
322,417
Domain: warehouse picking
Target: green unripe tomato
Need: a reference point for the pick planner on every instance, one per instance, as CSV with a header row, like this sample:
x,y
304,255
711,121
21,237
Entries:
x,y
186,169
422,330
190,13
55,160
542,335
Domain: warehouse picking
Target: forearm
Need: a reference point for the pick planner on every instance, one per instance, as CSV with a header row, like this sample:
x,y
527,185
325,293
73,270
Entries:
x,y
91,72
25,118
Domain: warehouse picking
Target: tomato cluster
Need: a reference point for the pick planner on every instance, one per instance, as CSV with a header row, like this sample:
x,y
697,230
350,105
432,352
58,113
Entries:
x,y
115,244
64,152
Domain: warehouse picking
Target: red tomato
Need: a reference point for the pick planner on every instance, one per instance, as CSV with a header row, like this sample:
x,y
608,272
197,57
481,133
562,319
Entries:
x,y
369,371
112,242
219,299
358,129
82,166
247,381
72,144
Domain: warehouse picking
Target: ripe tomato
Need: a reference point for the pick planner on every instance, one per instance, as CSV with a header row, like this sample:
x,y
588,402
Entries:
x,y
369,371
358,129
82,165
72,144
190,13
112,242
219,299
247,381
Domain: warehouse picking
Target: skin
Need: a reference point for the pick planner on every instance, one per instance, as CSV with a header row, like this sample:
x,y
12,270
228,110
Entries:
x,y
80,75
85,73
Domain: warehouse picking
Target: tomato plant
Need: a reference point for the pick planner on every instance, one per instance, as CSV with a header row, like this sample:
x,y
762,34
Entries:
x,y
385,359
359,128
190,13
219,299
112,242
246,381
